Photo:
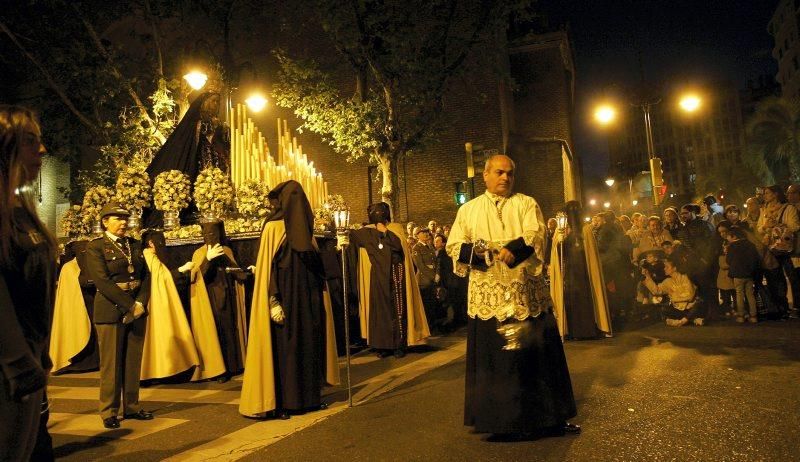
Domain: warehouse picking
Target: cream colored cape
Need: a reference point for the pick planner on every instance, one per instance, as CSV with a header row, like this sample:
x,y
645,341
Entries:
x,y
602,317
204,327
258,387
169,347
72,328
417,322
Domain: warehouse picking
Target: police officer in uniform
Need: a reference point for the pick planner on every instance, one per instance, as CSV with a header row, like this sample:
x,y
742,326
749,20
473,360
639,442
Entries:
x,y
116,264
424,256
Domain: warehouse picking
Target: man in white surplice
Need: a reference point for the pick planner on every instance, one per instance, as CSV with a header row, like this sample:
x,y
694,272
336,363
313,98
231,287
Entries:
x,y
509,391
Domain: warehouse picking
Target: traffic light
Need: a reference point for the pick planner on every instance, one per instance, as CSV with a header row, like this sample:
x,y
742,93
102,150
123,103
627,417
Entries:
x,y
461,195
657,179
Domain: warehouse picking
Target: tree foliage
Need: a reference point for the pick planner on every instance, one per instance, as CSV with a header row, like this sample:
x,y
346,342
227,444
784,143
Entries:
x,y
403,54
773,141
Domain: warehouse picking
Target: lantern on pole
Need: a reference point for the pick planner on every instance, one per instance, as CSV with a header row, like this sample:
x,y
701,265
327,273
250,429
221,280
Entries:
x,y
341,219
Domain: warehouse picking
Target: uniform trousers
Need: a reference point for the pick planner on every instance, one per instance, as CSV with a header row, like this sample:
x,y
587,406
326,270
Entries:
x,y
121,347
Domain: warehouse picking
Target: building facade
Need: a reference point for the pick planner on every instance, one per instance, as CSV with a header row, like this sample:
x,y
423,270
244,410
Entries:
x,y
692,148
527,116
784,29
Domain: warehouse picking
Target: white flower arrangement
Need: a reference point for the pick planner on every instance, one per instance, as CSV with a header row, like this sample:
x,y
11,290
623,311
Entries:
x,y
133,188
184,232
171,191
242,225
93,201
251,198
213,192
72,223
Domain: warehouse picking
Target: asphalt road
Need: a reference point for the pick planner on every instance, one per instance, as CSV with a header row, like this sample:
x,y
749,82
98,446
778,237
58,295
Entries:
x,y
717,393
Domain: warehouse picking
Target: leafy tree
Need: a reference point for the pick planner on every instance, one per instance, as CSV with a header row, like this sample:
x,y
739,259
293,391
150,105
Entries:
x,y
403,54
773,141
738,183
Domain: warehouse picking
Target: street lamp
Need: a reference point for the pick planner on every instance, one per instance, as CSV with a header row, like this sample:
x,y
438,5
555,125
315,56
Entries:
x,y
607,204
256,102
592,202
690,102
610,182
635,202
196,79
605,114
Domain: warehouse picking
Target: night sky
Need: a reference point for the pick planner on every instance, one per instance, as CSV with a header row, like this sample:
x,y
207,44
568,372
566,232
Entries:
x,y
678,41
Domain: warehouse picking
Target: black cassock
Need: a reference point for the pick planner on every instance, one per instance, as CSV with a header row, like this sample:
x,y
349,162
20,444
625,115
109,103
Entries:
x,y
298,343
222,295
387,307
515,391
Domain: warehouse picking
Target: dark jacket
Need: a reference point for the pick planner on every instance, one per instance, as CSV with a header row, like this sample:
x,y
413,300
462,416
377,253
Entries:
x,y
743,259
108,266
424,257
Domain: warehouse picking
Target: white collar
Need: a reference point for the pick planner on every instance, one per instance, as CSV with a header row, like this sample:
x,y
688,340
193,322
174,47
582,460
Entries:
x,y
496,197
113,237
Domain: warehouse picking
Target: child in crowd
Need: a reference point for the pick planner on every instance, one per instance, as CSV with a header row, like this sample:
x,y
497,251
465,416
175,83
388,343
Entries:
x,y
725,284
653,262
684,304
743,261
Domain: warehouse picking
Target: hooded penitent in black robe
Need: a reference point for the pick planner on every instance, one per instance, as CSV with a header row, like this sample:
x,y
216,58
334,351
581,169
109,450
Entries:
x,y
578,302
297,283
222,295
195,143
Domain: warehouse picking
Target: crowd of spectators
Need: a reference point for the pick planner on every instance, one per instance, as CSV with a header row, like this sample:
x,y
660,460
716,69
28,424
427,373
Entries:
x,y
444,294
705,262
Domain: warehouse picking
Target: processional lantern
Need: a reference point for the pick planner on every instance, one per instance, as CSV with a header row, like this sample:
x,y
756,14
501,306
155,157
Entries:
x,y
341,219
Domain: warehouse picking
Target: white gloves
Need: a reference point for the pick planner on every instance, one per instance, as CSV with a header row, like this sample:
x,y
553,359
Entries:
x,y
276,311
214,251
342,240
186,267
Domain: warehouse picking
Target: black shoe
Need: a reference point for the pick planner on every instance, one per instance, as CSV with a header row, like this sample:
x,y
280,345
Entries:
x,y
399,353
223,378
282,415
323,406
141,415
571,429
111,422
382,353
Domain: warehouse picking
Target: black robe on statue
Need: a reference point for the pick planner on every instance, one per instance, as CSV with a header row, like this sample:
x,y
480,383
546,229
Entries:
x,y
297,283
194,143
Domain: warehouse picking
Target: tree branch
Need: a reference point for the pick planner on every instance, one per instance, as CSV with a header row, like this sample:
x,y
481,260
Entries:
x,y
118,75
62,94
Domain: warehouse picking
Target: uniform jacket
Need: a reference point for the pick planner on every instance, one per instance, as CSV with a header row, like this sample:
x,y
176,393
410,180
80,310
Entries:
x,y
424,258
107,266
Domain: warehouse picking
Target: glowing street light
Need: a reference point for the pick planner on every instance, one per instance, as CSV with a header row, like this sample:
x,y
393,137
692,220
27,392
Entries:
x,y
605,114
690,103
607,204
592,202
587,219
256,102
610,182
635,202
196,79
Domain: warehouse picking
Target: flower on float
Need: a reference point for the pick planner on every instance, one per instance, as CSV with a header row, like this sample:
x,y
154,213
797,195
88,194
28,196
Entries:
x,y
133,188
213,191
171,191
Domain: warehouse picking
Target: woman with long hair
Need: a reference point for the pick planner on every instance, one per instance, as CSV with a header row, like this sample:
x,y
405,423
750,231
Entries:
x,y
27,282
778,219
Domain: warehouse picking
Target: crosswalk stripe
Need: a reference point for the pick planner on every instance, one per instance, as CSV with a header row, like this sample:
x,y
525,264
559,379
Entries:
x,y
173,395
90,425
255,437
